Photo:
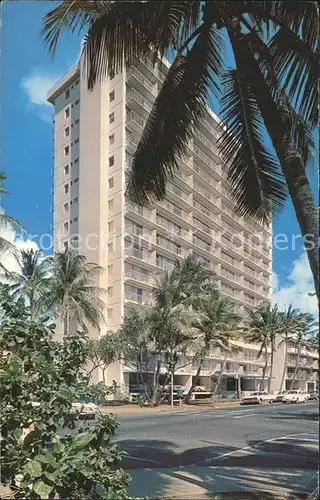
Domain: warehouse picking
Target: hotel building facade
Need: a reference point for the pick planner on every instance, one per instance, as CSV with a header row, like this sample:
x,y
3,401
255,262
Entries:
x,y
95,136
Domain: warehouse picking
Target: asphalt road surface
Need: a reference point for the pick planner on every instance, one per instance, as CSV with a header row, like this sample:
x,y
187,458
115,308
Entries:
x,y
265,448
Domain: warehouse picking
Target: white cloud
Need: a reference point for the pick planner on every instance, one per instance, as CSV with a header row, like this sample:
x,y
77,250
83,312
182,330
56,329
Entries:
x,y
7,258
36,86
296,292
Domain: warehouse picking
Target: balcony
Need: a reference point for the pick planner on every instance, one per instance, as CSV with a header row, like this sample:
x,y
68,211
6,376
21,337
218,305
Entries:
x,y
136,297
206,162
135,122
132,141
141,214
172,191
132,274
199,136
138,103
208,128
140,83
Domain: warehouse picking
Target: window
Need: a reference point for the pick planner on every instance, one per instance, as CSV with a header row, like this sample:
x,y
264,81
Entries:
x,y
75,219
111,139
66,208
110,313
67,112
76,200
76,160
66,188
111,117
110,247
77,102
65,226
111,96
110,226
110,291
67,131
76,179
111,161
111,182
110,204
66,170
67,94
76,141
66,151
110,270
77,121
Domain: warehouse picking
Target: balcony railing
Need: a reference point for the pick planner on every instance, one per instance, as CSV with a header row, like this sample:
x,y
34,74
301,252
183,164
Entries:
x,y
205,158
137,275
202,209
132,71
134,117
132,139
206,141
133,94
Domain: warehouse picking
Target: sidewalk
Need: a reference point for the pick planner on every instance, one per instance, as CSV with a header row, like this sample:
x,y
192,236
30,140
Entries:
x,y
145,410
203,482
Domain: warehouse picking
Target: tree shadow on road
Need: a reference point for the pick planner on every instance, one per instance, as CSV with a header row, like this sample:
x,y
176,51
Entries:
x,y
159,468
306,415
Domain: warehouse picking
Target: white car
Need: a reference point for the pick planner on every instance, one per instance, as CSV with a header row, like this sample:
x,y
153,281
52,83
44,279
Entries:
x,y
294,397
86,411
258,397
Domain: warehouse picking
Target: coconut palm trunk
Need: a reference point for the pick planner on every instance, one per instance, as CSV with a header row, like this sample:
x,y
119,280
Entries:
x,y
193,384
284,371
264,369
218,381
290,159
296,367
271,369
154,399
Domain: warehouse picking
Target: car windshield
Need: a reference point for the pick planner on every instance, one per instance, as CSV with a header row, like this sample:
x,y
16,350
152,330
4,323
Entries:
x,y
293,392
255,394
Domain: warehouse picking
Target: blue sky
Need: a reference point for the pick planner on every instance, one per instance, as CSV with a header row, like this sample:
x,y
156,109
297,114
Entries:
x,y
27,71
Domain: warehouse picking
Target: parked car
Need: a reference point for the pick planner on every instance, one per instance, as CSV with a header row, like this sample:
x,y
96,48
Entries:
x,y
87,411
258,397
279,397
314,395
296,396
201,388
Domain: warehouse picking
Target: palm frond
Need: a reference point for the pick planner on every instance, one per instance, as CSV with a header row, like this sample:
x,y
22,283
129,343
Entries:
x,y
129,31
297,127
258,187
177,109
297,65
69,15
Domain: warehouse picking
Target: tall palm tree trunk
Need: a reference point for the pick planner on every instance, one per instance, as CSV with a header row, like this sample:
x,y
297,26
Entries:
x,y
271,369
193,384
296,367
284,371
264,369
218,381
66,325
289,157
154,399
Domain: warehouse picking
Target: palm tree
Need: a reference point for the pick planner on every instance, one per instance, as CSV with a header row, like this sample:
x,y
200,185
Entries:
x,y
72,292
263,326
31,280
176,300
214,324
5,220
302,332
273,90
290,323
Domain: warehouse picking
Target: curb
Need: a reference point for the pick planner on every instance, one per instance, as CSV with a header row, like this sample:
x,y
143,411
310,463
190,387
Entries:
x,y
158,410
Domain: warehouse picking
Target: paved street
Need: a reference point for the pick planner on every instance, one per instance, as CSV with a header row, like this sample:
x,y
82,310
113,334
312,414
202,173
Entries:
x,y
265,448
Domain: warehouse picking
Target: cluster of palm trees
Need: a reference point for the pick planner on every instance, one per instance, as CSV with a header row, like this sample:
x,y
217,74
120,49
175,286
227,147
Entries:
x,y
267,325
187,318
62,287
271,92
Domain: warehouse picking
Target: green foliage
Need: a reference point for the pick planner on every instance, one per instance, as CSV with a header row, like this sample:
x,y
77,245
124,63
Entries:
x,y
46,450
103,352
